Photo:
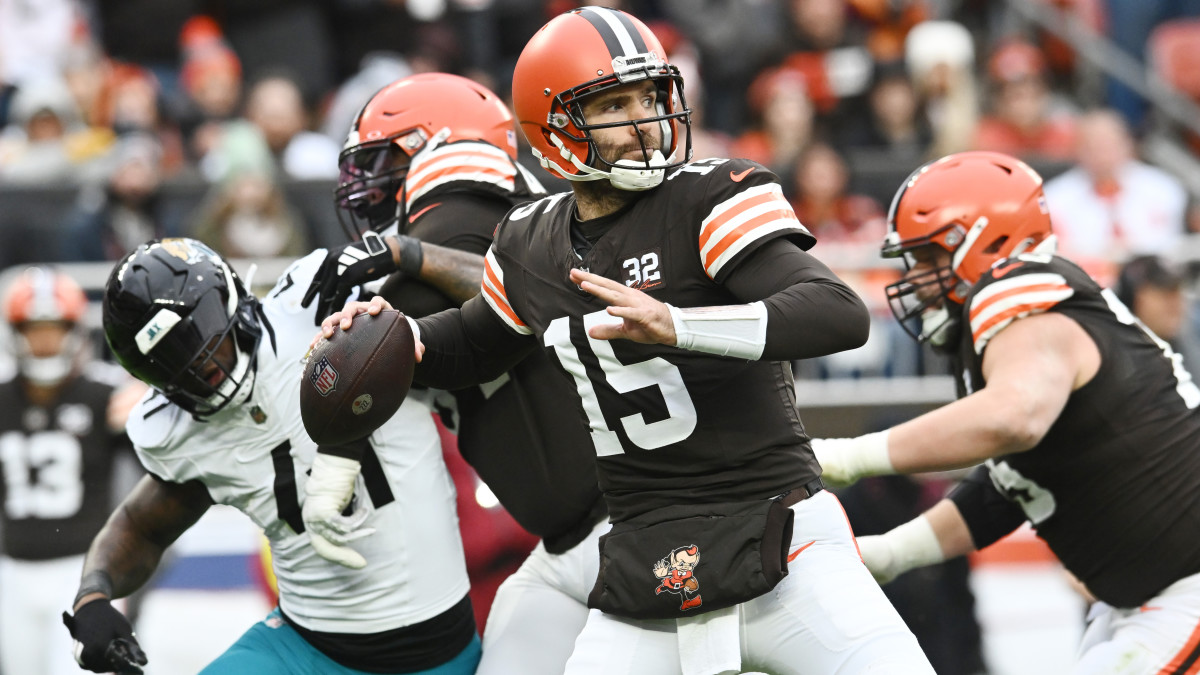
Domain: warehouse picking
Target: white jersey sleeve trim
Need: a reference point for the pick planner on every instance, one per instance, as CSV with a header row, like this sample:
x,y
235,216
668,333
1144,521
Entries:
x,y
1002,302
474,162
741,220
495,296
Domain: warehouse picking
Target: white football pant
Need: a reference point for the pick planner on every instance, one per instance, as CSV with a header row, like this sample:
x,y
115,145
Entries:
x,y
827,616
1161,636
33,596
540,609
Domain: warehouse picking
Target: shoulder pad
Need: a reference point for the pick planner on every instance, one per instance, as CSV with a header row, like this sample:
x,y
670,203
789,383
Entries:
x,y
742,205
540,207
479,164
153,420
1011,290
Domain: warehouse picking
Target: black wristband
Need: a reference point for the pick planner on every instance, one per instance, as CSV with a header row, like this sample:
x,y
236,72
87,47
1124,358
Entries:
x,y
411,255
96,581
354,450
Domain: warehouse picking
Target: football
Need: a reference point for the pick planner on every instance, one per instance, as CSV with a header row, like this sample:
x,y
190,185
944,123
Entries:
x,y
691,585
357,379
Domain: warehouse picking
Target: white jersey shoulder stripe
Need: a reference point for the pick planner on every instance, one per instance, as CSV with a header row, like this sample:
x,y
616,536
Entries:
x,y
477,162
744,218
495,296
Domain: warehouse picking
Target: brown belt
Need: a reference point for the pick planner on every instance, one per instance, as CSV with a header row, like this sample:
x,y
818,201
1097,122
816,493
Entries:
x,y
797,495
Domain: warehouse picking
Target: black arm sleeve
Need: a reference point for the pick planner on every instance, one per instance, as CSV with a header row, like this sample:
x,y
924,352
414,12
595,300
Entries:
x,y
458,220
468,346
810,312
988,514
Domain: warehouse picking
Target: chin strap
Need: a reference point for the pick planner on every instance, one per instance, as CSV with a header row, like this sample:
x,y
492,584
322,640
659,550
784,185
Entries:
x,y
626,175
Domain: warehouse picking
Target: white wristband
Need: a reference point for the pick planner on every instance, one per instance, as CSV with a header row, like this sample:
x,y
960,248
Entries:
x,y
730,330
908,546
845,460
331,481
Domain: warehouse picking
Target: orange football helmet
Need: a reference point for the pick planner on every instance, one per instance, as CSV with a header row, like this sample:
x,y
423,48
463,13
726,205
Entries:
x,y
586,51
43,295
401,120
981,207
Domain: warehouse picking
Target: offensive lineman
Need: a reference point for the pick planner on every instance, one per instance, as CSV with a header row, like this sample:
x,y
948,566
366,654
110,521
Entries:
x,y
222,426
61,429
690,407
1085,422
431,165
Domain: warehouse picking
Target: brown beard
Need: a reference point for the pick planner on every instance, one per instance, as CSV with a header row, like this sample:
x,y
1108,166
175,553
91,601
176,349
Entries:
x,y
595,198
613,155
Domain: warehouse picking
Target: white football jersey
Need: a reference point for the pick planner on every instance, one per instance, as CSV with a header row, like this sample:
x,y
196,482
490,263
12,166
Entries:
x,y
256,457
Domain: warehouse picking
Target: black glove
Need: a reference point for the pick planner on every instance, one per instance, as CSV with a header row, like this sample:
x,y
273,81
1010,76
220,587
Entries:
x,y
344,268
104,640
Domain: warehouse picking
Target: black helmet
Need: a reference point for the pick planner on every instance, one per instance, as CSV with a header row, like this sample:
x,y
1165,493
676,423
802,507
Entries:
x,y
170,306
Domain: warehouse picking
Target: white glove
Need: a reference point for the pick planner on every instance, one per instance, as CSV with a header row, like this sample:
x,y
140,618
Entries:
x,y
327,492
845,460
913,544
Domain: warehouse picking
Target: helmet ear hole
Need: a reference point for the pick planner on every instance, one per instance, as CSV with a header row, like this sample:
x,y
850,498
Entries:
x,y
996,245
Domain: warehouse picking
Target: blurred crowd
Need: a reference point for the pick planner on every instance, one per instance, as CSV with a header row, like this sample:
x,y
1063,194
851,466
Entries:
x,y
120,101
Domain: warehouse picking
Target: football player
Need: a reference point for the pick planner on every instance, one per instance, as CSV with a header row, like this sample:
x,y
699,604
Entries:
x,y
1082,421
62,422
673,295
222,426
430,165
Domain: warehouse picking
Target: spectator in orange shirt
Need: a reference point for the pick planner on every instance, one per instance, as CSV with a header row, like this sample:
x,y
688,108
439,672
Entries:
x,y
1023,120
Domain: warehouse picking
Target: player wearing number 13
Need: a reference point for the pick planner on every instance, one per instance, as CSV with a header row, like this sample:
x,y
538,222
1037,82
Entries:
x,y
223,426
689,405
61,428
1085,422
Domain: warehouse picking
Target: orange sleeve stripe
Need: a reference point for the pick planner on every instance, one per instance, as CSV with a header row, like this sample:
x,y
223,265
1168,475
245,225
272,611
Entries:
x,y
1010,313
733,212
495,279
741,230
1032,288
502,304
1176,665
496,292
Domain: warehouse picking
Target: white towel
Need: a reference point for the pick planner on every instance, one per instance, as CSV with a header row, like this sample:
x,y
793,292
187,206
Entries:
x,y
710,643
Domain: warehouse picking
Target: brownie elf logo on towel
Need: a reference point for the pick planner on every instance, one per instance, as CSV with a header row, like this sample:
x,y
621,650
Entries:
x,y
676,576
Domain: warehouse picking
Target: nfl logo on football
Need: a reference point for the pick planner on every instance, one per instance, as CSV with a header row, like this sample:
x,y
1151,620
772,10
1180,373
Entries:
x,y
323,377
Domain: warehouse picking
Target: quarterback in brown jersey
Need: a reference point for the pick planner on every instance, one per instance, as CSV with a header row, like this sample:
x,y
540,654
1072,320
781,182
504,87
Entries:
x,y
673,295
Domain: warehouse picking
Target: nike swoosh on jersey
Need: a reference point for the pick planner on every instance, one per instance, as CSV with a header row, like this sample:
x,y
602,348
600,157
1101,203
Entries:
x,y
739,221
1004,269
1002,302
427,209
737,177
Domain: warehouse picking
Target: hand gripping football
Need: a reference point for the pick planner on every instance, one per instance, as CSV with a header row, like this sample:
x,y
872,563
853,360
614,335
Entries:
x,y
357,379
